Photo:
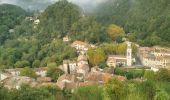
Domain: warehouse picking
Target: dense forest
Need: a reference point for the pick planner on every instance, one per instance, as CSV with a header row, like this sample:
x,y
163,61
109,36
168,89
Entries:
x,y
146,21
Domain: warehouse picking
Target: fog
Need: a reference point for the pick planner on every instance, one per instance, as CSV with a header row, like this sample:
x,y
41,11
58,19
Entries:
x,y
42,4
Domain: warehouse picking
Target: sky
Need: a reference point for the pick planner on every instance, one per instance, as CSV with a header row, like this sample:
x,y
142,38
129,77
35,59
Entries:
x,y
41,4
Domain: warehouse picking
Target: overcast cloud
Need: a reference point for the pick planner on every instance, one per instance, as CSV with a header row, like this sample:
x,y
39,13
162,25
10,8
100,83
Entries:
x,y
41,4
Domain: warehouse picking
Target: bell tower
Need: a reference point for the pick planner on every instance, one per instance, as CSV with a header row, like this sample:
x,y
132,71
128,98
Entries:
x,y
129,54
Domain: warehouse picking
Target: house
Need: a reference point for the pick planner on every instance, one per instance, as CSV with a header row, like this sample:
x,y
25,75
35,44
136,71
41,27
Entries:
x,y
69,66
4,76
41,71
120,60
98,77
66,39
29,18
67,81
13,72
154,57
80,66
15,82
36,22
82,47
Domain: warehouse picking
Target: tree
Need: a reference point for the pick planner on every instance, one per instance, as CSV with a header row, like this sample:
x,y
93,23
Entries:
x,y
148,89
85,93
114,90
162,95
21,64
163,75
51,65
54,73
29,72
149,75
58,18
96,56
115,31
36,63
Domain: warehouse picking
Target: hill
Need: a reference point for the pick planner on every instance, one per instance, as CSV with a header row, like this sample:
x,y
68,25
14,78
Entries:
x,y
146,20
11,16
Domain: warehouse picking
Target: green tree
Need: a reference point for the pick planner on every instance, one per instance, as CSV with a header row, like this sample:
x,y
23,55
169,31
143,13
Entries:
x,y
36,63
149,75
163,75
162,95
29,72
115,90
58,18
84,93
96,56
148,89
115,31
54,73
22,64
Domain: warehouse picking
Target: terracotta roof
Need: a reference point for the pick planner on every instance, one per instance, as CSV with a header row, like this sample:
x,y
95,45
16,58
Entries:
x,y
66,78
94,76
82,84
44,79
116,57
106,77
120,78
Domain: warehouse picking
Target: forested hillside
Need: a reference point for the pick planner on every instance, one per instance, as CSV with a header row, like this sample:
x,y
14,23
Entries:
x,y
25,46
148,21
10,16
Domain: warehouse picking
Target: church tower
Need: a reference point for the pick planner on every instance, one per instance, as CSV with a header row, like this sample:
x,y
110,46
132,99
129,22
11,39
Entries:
x,y
129,54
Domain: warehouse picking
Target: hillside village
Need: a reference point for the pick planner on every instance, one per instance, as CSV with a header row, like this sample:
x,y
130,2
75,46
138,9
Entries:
x,y
79,73
117,50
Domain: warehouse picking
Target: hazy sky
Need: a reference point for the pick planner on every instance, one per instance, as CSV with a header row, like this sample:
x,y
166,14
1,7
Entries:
x,y
38,4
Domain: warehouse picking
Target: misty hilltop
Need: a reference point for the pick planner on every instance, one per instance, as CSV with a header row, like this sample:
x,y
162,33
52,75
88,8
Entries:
x,y
42,4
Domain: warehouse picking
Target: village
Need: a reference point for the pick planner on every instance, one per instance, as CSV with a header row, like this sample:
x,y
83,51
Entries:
x,y
79,73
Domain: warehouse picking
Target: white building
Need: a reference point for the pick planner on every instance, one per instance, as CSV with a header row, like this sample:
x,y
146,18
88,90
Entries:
x,y
82,47
66,39
41,71
80,66
37,21
155,58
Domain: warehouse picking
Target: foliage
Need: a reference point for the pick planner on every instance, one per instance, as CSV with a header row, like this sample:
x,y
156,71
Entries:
x,y
146,19
117,49
54,73
114,90
162,95
115,31
147,88
89,30
163,75
149,75
36,63
57,19
85,93
129,73
29,72
96,56
21,64
10,16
